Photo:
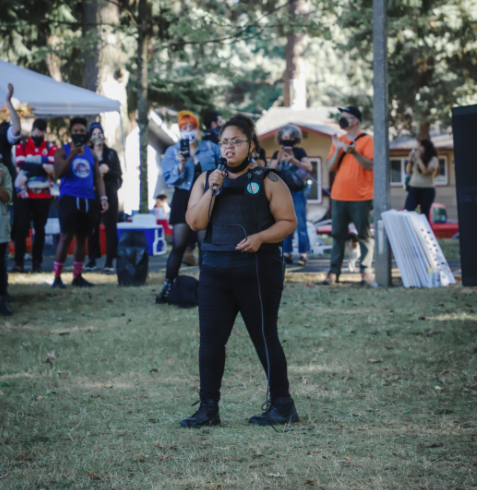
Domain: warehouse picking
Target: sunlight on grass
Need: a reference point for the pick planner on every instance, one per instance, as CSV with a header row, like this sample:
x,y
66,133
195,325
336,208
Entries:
x,y
93,384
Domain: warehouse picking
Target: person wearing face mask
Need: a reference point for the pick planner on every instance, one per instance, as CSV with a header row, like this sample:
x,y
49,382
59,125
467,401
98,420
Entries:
x,y
351,157
34,159
110,169
181,168
291,162
213,122
77,167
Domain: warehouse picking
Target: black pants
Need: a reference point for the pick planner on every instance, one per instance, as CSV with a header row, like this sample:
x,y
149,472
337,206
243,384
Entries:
x,y
223,293
3,269
26,211
181,233
110,221
423,196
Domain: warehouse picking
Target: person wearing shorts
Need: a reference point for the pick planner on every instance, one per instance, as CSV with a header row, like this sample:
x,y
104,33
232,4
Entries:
x,y
78,168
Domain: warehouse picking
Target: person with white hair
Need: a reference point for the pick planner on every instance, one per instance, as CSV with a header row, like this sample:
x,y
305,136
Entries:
x,y
292,164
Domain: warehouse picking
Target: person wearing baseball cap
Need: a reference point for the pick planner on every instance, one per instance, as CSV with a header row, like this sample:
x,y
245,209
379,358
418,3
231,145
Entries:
x,y
351,157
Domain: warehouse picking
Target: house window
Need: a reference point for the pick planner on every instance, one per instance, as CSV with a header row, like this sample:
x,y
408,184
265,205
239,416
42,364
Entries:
x,y
442,177
397,171
313,191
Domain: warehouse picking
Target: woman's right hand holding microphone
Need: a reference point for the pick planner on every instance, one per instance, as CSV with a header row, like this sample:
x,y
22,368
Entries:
x,y
216,178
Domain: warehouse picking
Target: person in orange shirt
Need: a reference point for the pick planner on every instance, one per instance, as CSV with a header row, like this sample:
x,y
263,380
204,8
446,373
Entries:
x,y
351,157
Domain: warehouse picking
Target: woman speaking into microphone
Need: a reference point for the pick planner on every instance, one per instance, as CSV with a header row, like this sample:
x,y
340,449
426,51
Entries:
x,y
246,217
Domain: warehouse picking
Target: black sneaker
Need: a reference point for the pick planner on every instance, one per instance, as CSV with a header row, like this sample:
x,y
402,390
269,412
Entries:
x,y
288,259
58,283
90,266
36,267
163,295
80,282
17,268
4,309
281,411
208,414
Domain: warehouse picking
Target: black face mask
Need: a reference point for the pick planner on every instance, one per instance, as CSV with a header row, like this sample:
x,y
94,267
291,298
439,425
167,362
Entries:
x,y
343,122
287,142
38,140
79,138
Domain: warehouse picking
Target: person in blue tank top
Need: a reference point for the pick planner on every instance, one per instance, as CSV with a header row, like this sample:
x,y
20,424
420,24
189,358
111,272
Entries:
x,y
246,220
78,168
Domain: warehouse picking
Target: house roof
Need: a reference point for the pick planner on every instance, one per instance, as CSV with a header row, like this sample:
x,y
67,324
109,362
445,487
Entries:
x,y
314,119
443,141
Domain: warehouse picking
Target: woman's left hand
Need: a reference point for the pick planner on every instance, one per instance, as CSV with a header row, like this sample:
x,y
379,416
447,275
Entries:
x,y
250,244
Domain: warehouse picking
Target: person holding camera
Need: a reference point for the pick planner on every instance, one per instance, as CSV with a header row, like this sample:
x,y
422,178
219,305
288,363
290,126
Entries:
x,y
351,157
110,169
182,165
423,166
292,164
77,167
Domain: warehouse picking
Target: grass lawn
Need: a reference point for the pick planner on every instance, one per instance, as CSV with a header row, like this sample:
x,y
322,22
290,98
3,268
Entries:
x,y
94,383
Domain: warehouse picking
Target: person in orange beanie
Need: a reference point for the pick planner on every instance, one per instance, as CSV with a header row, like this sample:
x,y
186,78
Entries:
x,y
182,165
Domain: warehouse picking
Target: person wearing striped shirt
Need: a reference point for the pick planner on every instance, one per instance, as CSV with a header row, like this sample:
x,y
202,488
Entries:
x,y
34,159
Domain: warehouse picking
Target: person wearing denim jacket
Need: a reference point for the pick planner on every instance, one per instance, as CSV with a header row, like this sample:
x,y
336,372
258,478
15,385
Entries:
x,y
182,172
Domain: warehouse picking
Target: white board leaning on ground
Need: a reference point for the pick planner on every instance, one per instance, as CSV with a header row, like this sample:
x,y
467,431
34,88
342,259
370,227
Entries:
x,y
417,252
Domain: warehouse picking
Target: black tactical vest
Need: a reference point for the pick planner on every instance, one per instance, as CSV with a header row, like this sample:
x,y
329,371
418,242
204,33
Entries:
x,y
241,209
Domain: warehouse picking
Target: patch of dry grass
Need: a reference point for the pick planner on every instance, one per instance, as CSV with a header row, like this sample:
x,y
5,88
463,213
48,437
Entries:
x,y
94,383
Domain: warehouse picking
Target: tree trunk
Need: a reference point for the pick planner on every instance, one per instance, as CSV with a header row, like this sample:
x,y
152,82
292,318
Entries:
x,y
53,61
142,105
91,21
295,75
104,72
424,128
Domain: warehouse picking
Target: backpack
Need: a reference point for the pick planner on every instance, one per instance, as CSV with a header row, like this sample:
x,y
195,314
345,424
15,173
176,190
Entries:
x,y
132,260
184,292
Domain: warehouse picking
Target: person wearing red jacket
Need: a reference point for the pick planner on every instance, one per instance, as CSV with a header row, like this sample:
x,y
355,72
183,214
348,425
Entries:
x,y
35,164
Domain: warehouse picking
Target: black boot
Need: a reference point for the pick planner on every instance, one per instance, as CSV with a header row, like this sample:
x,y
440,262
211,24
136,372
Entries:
x,y
208,414
163,295
4,309
281,411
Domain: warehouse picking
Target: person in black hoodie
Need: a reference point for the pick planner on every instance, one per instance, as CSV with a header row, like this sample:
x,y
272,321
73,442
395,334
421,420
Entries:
x,y
110,169
213,122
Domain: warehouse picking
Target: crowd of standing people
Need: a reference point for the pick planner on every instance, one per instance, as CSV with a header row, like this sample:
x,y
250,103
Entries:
x,y
90,177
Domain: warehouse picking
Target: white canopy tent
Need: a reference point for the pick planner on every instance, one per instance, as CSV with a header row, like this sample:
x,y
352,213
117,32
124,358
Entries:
x,y
49,98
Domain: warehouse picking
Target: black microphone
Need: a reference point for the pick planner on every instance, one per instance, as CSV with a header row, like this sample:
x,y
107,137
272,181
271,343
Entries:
x,y
221,167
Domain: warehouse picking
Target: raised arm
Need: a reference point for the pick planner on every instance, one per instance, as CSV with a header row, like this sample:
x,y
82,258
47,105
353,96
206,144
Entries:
x,y
197,216
282,209
14,118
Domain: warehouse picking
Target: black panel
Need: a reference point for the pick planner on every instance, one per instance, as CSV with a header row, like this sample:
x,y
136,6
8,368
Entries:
x,y
464,124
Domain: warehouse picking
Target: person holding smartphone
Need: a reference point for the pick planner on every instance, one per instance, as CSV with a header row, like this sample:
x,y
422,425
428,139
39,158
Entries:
x,y
291,163
423,166
182,165
77,167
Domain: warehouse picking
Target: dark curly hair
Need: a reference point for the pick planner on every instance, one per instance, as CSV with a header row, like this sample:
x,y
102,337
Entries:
x,y
78,120
429,151
242,122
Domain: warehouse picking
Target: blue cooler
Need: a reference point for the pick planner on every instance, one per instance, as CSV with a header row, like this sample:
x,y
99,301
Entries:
x,y
156,242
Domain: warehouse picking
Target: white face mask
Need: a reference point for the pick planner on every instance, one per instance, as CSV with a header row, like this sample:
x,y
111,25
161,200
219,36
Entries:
x,y
191,136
